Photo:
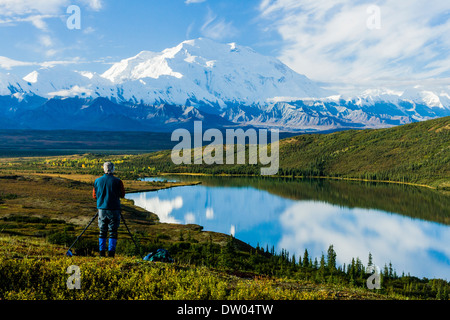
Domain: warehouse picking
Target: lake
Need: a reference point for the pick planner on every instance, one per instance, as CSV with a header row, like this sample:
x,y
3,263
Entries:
x,y
405,225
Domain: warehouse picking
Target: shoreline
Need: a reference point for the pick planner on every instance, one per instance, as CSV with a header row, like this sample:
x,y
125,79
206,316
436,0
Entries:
x,y
445,191
155,188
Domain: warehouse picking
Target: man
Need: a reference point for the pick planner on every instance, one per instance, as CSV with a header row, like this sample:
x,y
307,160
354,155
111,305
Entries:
x,y
108,190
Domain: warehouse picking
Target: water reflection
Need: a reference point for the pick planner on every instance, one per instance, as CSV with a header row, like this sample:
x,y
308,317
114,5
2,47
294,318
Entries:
x,y
260,217
163,208
215,208
413,245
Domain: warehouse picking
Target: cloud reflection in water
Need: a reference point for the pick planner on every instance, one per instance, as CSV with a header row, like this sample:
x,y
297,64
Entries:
x,y
259,217
412,245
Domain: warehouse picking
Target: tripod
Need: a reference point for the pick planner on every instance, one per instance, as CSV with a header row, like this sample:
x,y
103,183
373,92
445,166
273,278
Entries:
x,y
135,244
69,252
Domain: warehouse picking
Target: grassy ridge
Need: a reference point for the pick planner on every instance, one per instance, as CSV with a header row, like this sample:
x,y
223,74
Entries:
x,y
32,269
42,275
416,153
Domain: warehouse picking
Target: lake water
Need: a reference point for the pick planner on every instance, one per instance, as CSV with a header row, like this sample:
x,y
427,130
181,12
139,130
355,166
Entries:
x,y
407,226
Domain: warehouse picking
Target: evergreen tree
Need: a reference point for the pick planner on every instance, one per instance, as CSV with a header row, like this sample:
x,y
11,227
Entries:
x,y
391,273
321,272
331,259
322,262
306,259
370,263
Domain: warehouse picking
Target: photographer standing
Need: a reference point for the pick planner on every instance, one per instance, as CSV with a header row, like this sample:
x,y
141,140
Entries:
x,y
108,190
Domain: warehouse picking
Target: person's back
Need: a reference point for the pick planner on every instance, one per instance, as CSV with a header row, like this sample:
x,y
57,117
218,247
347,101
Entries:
x,y
108,191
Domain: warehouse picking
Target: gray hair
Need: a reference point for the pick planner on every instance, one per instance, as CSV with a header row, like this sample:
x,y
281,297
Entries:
x,y
108,167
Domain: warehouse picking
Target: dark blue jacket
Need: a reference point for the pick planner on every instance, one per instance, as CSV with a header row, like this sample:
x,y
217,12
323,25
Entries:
x,y
108,190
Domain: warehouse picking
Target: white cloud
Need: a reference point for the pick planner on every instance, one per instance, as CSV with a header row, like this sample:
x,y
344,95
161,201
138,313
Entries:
x,y
29,7
95,5
217,28
35,20
72,92
38,21
209,213
43,7
50,52
193,1
36,11
46,40
53,63
329,40
189,218
233,230
39,13
163,208
88,30
7,63
189,30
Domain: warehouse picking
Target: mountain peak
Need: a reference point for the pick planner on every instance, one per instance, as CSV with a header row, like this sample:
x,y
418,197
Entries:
x,y
202,69
145,64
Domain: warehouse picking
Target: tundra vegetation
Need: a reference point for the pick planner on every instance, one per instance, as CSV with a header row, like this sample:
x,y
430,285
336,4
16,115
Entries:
x,y
45,202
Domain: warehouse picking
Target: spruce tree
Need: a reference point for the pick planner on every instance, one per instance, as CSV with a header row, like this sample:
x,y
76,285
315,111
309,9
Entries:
x,y
321,272
370,263
322,262
331,259
306,259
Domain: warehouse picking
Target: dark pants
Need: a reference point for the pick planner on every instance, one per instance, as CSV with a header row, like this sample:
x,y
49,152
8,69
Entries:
x,y
108,222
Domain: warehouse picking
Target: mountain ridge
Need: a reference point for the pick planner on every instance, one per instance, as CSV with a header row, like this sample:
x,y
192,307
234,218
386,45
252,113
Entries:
x,y
226,84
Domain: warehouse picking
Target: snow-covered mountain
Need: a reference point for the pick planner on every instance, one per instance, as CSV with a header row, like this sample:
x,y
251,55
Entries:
x,y
194,71
10,84
221,84
204,70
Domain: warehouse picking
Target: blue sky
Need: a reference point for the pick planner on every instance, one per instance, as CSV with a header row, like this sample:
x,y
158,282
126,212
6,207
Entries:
x,y
117,29
337,41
